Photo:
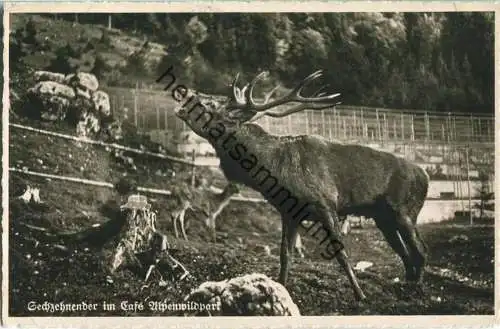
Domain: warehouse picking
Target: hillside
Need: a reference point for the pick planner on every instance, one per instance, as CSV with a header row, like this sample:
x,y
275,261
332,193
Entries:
x,y
392,60
84,44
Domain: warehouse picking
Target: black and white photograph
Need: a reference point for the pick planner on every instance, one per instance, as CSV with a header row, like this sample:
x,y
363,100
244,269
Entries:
x,y
249,163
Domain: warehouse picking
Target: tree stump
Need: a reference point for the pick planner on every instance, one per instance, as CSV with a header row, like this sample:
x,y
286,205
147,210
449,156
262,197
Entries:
x,y
140,245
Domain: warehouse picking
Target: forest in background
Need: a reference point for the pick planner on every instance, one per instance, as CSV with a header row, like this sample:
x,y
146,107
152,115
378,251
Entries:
x,y
424,61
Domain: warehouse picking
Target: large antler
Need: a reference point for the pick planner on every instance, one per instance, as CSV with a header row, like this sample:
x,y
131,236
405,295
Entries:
x,y
294,109
243,98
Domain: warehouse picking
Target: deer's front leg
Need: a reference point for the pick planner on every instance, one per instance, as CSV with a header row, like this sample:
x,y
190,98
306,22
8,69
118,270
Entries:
x,y
288,237
331,223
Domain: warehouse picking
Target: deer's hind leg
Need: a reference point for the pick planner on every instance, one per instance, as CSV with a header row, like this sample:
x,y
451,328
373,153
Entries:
x,y
389,228
416,246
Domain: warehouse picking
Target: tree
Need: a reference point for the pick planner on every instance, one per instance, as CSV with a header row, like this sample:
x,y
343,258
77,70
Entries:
x,y
31,32
61,63
100,67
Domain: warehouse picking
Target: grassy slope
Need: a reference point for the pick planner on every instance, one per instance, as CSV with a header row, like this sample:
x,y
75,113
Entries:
x,y
57,33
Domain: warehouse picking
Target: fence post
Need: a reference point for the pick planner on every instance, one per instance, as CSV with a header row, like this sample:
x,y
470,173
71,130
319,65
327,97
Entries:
x,y
378,125
468,185
385,128
135,105
454,129
459,174
427,126
193,167
354,125
402,126
306,113
362,120
157,117
343,128
330,126
412,128
335,122
323,123
471,124
166,120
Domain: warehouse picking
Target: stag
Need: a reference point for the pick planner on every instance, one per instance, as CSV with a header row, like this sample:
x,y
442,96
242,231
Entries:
x,y
327,180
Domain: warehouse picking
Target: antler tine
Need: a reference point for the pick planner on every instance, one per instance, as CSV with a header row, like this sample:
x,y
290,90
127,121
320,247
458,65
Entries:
x,y
297,108
249,92
320,97
270,94
293,96
236,92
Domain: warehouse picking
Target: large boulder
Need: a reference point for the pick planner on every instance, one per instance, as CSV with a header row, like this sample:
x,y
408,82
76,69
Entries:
x,y
52,88
252,294
74,98
50,99
82,80
40,76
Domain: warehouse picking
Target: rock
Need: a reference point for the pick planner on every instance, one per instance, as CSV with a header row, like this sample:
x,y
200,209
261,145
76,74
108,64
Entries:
x,y
51,99
459,238
49,117
363,265
114,130
83,93
262,248
83,80
40,76
250,295
88,125
101,101
51,88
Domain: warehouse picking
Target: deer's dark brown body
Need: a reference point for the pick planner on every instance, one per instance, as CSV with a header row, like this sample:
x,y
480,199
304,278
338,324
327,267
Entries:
x,y
310,178
352,179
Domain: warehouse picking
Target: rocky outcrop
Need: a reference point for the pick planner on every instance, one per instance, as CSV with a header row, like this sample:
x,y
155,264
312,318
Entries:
x,y
74,98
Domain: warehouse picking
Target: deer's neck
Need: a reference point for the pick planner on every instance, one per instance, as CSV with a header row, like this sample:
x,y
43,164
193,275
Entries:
x,y
245,149
248,138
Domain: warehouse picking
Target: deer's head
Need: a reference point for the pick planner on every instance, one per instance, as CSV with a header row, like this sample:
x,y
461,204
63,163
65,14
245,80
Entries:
x,y
240,106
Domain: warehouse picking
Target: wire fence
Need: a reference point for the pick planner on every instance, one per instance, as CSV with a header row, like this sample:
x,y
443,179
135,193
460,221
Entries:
x,y
152,110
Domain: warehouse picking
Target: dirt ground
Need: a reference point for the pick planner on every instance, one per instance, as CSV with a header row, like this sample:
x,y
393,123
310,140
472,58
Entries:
x,y
458,280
